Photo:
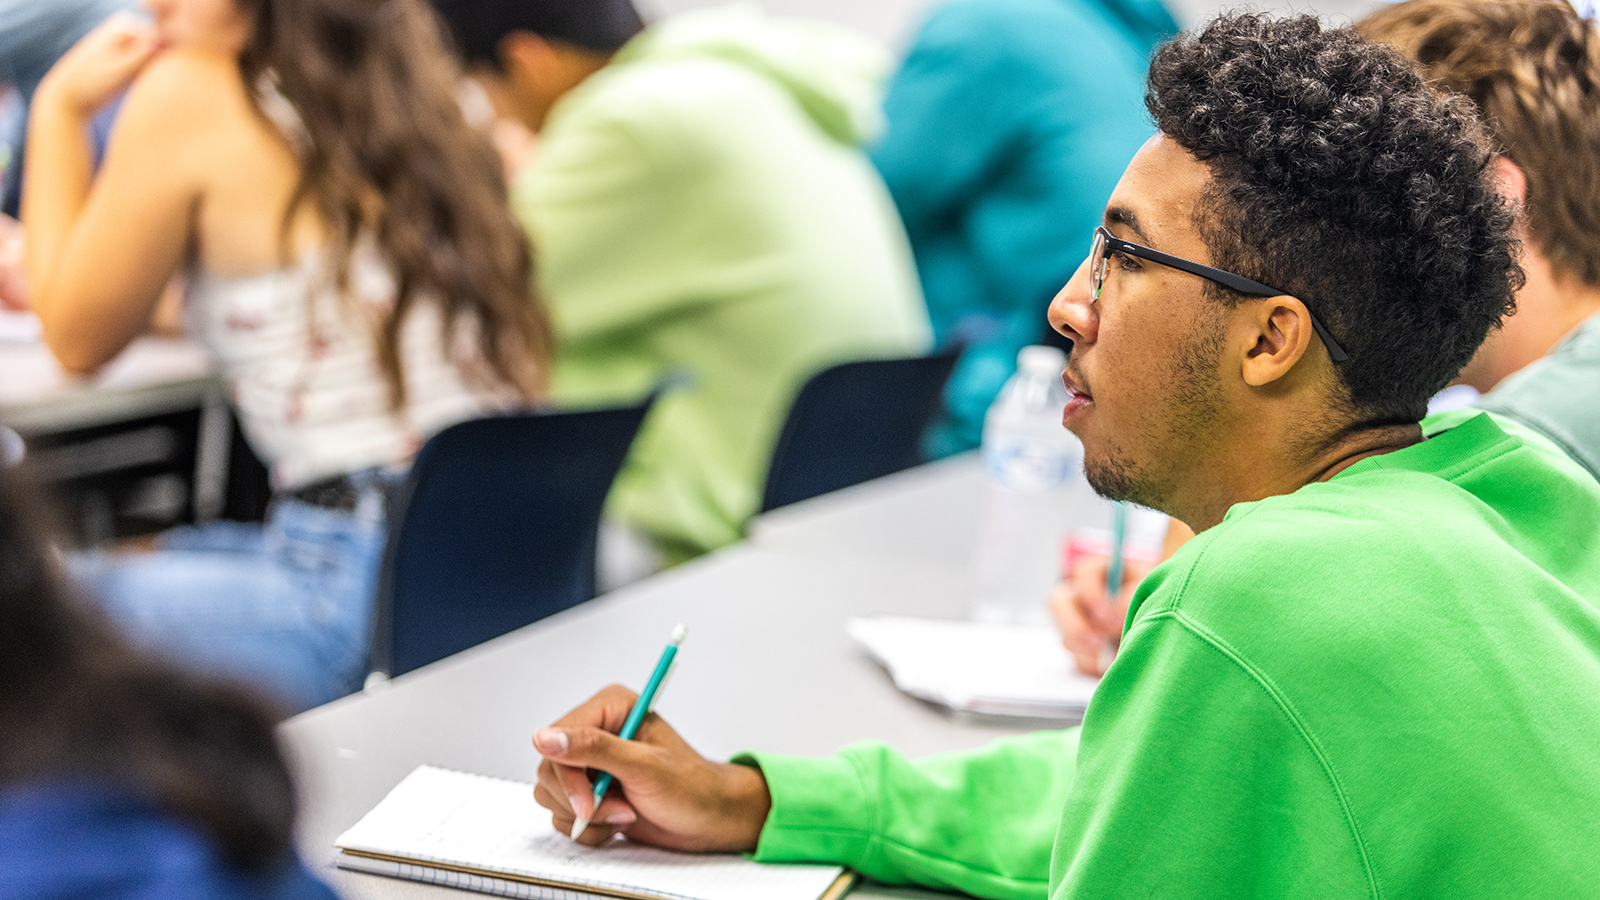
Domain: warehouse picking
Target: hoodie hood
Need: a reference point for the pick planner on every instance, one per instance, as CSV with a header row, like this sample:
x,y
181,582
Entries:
x,y
835,75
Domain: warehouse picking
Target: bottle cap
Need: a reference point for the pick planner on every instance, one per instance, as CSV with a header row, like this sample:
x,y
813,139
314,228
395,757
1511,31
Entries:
x,y
1040,359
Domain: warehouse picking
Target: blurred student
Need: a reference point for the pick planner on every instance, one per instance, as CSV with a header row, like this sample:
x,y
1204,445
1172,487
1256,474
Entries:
x,y
1532,69
699,205
122,778
1008,125
351,264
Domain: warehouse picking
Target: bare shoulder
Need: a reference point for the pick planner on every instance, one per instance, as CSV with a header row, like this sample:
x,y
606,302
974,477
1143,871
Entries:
x,y
184,112
185,91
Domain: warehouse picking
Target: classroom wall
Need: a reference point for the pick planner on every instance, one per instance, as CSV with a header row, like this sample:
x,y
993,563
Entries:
x,y
892,21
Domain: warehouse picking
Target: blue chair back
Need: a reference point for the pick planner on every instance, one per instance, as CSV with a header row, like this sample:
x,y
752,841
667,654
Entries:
x,y
495,527
855,422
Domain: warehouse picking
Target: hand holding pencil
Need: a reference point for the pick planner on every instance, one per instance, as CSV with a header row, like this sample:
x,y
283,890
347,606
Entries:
x,y
664,793
1090,620
1090,617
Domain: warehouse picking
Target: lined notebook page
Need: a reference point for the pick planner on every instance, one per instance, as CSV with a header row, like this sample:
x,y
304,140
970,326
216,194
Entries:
x,y
494,826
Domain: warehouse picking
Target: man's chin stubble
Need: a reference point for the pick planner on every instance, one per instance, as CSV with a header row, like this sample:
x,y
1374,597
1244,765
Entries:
x,y
1114,479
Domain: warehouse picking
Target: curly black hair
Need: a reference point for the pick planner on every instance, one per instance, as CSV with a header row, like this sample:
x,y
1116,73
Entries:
x,y
1343,179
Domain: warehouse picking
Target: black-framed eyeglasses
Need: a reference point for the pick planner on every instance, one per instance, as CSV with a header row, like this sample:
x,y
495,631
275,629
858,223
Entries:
x,y
1106,243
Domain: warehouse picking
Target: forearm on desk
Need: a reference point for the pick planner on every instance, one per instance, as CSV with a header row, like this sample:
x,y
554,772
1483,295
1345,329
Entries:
x,y
982,822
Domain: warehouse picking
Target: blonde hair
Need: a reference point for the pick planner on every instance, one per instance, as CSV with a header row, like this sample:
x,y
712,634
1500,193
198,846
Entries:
x,y
1532,67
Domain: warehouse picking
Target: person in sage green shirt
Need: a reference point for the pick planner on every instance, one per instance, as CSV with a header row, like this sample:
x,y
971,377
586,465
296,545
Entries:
x,y
700,206
1376,670
1558,395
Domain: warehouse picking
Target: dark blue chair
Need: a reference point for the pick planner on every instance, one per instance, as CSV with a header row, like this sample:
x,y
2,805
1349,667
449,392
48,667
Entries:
x,y
495,527
855,422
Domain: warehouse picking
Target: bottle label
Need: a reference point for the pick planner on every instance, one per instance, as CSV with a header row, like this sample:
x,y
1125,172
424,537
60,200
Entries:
x,y
1028,465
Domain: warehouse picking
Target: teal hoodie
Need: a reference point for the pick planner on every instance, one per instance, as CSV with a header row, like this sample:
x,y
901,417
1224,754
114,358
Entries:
x,y
1008,126
701,206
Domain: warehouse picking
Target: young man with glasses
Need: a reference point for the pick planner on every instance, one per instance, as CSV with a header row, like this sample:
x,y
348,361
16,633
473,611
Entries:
x,y
1532,70
1376,671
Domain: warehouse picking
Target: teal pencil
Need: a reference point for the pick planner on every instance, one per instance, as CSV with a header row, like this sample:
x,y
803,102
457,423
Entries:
x,y
1119,533
641,708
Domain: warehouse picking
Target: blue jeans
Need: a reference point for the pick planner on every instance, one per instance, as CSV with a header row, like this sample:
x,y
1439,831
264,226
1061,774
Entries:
x,y
285,606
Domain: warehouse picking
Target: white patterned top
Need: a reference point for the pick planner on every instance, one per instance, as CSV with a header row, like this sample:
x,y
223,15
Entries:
x,y
301,365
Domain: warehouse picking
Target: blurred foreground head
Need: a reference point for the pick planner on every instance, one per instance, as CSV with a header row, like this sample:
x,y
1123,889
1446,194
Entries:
x,y
79,707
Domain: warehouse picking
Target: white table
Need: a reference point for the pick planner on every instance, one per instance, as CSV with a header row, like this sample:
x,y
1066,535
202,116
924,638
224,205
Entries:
x,y
767,666
152,376
928,516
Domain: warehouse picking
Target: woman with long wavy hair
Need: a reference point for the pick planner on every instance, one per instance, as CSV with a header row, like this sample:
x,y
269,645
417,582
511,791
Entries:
x,y
350,262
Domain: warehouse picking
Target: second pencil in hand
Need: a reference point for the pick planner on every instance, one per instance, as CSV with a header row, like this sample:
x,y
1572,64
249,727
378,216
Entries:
x,y
641,708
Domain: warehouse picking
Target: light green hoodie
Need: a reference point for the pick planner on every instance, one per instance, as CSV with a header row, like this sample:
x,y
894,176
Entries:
x,y
701,205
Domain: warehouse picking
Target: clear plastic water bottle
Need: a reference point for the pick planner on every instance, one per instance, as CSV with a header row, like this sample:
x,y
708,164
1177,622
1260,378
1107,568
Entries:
x,y
1030,463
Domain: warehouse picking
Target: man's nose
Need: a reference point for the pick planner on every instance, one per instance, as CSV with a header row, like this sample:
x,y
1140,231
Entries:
x,y
1073,312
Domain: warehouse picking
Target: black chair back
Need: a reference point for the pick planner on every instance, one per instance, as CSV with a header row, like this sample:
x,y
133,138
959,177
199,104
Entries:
x,y
855,422
495,527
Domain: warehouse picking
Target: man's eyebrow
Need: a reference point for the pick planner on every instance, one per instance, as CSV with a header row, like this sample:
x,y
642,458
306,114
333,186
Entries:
x,y
1121,215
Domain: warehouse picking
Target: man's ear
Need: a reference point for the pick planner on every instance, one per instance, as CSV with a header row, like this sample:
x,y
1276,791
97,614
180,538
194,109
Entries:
x,y
1282,333
1511,180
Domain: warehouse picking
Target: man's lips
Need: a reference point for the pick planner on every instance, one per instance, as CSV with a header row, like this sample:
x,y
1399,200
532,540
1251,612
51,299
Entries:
x,y
1078,399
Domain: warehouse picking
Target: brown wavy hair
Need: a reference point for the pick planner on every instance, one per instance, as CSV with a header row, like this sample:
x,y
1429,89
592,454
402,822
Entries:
x,y
1532,67
386,152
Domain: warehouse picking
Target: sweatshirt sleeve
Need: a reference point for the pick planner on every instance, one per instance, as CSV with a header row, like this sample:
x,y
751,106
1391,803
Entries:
x,y
981,822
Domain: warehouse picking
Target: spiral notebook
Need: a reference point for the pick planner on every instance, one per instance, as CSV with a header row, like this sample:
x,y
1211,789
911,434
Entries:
x,y
487,834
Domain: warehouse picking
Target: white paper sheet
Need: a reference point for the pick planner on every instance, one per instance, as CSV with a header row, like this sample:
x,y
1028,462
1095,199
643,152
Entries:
x,y
981,667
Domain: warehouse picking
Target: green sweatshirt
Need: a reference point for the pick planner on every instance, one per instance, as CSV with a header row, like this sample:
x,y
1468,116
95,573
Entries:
x,y
701,207
1384,685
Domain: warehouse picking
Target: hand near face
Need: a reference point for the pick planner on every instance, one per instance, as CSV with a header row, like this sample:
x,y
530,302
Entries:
x,y
663,792
516,144
102,64
1090,623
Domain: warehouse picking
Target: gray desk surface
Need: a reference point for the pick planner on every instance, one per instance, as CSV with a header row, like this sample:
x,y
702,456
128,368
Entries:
x,y
767,666
152,376
927,516
930,516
